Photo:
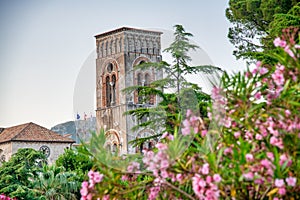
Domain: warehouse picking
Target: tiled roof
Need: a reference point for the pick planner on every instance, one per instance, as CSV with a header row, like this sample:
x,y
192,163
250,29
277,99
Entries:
x,y
31,132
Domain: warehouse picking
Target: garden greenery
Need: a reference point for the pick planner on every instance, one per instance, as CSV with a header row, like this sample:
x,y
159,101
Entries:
x,y
251,149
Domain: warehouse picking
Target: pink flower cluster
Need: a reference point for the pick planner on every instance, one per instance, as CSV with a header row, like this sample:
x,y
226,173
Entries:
x,y
205,185
168,136
159,162
219,112
282,43
4,197
134,169
153,192
281,185
190,123
88,187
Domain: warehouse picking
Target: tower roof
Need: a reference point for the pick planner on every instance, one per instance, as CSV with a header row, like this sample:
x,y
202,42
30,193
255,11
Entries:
x,y
31,132
123,29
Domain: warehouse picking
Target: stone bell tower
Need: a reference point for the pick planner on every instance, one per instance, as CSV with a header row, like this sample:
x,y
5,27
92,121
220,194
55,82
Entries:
x,y
118,51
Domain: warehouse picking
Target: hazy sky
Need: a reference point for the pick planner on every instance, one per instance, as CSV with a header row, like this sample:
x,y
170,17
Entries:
x,y
44,45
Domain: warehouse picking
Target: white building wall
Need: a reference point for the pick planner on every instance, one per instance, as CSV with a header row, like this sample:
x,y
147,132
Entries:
x,y
56,149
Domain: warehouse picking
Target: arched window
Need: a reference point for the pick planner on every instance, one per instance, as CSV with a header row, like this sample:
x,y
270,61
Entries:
x,y
113,82
115,148
108,91
146,145
139,83
147,80
110,67
106,48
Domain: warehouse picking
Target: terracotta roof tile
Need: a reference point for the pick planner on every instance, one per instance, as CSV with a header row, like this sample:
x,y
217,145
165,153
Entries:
x,y
31,132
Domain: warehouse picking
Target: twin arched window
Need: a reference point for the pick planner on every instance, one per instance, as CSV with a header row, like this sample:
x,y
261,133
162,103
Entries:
x,y
110,85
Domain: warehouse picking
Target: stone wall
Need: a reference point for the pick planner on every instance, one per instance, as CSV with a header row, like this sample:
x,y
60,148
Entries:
x,y
123,49
56,149
5,151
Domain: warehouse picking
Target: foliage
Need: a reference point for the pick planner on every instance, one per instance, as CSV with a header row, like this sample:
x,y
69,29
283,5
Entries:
x,y
17,173
165,117
54,183
253,21
75,160
251,151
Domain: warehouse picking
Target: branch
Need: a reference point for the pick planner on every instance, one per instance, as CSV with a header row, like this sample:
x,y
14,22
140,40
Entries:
x,y
179,190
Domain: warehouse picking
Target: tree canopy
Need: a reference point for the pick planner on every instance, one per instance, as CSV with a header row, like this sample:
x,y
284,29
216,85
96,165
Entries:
x,y
176,94
255,23
17,174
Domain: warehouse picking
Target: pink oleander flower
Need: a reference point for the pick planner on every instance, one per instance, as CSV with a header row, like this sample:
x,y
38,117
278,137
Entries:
x,y
249,157
291,181
164,174
258,136
257,96
105,197
258,63
263,71
125,178
130,168
186,130
203,133
98,177
237,134
188,113
84,191
91,174
89,197
164,135
289,51
266,163
179,177
279,183
217,178
205,168
228,151
248,176
270,155
164,164
287,113
209,179
282,191
84,184
161,146
153,193
284,158
279,43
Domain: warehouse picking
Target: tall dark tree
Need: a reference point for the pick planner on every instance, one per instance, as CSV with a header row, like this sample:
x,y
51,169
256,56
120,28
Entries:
x,y
167,115
251,21
17,174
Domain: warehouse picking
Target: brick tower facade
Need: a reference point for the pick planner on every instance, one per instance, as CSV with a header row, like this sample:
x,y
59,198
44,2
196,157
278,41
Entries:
x,y
118,51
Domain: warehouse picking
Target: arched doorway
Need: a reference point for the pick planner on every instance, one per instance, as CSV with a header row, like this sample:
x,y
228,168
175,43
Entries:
x,y
112,142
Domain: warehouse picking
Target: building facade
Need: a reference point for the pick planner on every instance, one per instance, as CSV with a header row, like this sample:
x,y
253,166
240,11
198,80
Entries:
x,y
31,135
118,52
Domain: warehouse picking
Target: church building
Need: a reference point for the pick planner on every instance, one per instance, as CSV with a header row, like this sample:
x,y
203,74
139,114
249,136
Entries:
x,y
118,52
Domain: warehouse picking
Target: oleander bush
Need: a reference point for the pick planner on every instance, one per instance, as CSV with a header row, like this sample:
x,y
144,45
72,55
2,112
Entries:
x,y
250,149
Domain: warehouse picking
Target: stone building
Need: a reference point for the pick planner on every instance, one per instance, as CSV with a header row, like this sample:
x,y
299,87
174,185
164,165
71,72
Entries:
x,y
33,136
118,52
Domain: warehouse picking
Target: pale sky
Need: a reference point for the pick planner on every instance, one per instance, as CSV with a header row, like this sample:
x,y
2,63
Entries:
x,y
45,44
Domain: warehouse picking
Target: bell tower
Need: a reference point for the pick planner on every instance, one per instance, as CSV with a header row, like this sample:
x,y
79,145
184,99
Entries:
x,y
118,51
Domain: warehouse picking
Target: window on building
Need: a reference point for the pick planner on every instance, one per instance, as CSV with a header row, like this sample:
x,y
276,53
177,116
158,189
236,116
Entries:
x,y
139,83
108,92
110,85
